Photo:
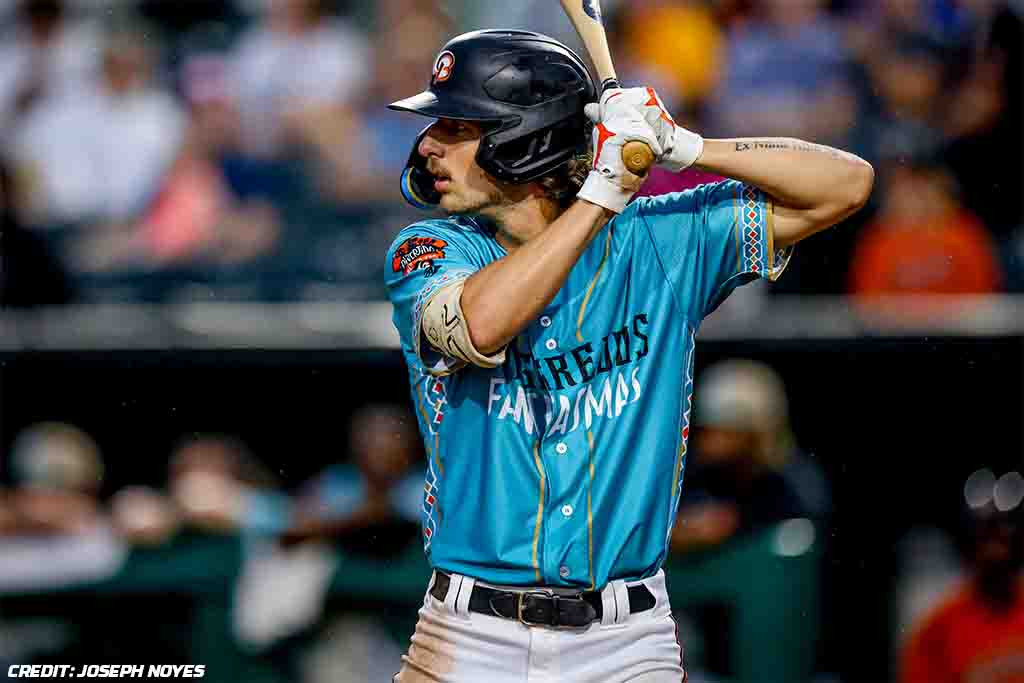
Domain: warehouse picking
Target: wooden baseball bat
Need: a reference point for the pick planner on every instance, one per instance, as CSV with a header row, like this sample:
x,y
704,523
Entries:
x,y
585,15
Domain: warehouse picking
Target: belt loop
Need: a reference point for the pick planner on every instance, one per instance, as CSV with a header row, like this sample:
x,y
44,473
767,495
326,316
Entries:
x,y
430,588
621,600
608,604
463,595
453,592
656,584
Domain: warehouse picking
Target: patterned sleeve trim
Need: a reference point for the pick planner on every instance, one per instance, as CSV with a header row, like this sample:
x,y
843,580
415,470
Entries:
x,y
755,235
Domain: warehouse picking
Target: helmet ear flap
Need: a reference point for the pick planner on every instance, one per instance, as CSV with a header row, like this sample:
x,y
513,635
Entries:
x,y
417,181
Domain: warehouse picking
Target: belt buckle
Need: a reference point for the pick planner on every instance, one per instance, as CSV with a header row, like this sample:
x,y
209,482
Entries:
x,y
539,594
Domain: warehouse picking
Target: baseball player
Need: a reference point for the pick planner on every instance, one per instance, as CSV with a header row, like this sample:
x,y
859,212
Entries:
x,y
548,325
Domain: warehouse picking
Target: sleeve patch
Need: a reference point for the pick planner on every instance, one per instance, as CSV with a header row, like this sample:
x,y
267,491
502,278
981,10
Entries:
x,y
417,253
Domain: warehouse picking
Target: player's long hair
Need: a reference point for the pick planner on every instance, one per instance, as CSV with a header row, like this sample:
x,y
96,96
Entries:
x,y
563,184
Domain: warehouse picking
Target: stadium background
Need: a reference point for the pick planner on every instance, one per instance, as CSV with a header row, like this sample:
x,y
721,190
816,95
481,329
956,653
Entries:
x,y
198,197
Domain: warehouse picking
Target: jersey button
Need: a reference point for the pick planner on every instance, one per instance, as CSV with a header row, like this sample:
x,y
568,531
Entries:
x,y
567,510
561,448
545,321
563,571
551,344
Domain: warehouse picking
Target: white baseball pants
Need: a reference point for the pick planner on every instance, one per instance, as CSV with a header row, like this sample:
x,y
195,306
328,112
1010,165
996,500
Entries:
x,y
453,645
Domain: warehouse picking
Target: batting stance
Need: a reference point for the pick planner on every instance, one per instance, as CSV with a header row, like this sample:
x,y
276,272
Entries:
x,y
548,325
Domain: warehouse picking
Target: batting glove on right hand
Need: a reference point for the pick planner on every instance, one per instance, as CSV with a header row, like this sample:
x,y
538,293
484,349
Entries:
x,y
610,184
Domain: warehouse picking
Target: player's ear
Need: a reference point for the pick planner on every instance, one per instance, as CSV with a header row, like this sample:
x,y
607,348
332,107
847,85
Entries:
x,y
417,182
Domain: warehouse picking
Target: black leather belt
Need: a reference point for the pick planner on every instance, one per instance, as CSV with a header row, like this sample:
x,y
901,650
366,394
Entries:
x,y
540,608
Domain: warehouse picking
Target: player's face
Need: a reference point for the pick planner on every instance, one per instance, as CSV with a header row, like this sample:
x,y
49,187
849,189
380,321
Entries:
x,y
450,148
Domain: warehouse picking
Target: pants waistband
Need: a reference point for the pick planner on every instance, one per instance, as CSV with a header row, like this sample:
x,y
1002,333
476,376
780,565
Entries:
x,y
612,604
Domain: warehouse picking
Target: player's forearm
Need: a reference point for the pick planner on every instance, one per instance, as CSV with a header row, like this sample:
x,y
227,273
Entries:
x,y
797,174
500,300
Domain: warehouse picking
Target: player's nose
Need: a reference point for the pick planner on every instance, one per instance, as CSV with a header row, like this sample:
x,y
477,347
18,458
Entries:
x,y
431,146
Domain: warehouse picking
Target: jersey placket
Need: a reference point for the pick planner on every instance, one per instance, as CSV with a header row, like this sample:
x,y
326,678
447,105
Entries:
x,y
560,454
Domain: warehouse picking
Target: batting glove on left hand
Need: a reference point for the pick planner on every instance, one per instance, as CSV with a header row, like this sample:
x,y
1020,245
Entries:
x,y
681,147
610,184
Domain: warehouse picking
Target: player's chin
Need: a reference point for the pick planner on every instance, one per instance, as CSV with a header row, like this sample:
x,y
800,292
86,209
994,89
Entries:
x,y
450,202
455,204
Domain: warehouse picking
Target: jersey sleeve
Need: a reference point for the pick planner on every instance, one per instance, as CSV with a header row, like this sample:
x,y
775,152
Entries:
x,y
712,239
424,258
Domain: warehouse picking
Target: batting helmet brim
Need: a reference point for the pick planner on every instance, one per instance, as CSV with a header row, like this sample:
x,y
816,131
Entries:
x,y
428,103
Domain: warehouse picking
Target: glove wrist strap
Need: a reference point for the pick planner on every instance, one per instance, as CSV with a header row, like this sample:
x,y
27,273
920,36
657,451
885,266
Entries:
x,y
687,147
601,191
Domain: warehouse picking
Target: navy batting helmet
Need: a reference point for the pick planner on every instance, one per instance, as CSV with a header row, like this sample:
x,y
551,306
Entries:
x,y
525,89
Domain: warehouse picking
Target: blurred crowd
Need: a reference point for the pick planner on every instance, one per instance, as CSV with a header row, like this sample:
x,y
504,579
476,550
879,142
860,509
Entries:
x,y
63,525
238,150
963,610
214,483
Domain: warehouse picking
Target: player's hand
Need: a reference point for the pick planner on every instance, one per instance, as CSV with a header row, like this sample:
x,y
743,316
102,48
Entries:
x,y
610,184
680,147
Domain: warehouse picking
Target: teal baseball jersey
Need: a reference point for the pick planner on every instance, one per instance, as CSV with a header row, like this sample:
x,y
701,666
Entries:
x,y
564,465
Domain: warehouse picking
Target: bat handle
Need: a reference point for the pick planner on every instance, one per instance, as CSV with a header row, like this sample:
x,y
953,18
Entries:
x,y
637,156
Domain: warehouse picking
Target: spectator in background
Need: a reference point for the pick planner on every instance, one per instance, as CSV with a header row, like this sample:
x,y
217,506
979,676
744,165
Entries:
x,y
58,473
367,164
948,73
674,45
977,634
747,474
214,485
986,119
909,80
873,24
922,241
786,73
370,505
297,73
218,486
100,155
43,55
142,516
530,15
199,216
30,274
53,530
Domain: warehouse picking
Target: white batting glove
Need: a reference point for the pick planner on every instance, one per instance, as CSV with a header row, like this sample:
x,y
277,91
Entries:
x,y
610,184
681,147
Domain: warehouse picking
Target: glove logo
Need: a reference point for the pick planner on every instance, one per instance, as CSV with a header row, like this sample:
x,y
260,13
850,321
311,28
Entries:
x,y
603,134
417,253
443,67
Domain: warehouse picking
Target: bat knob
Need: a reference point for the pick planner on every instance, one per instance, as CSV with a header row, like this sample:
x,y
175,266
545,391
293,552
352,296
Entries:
x,y
637,157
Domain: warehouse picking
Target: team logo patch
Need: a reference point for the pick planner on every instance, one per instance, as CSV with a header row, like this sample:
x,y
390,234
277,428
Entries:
x,y
417,253
444,66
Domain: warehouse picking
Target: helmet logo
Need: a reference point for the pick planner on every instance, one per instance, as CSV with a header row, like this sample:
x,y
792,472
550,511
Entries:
x,y
443,66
